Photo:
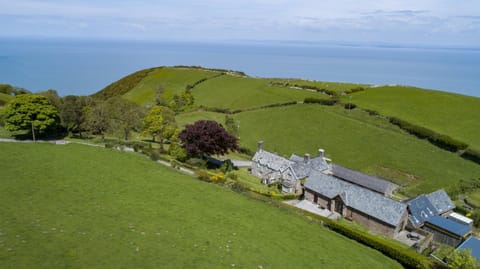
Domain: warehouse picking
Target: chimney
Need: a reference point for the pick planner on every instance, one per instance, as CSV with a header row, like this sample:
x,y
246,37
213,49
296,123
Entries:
x,y
306,157
321,153
260,145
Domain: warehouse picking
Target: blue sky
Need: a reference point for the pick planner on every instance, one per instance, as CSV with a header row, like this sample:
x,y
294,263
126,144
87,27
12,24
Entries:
x,y
424,22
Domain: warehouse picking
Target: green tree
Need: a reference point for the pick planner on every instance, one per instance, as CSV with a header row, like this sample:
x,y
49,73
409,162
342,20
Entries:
x,y
123,116
72,112
462,259
159,122
53,98
230,125
95,119
30,111
6,89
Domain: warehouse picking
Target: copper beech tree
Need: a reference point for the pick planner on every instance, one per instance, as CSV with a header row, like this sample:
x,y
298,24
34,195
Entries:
x,y
206,137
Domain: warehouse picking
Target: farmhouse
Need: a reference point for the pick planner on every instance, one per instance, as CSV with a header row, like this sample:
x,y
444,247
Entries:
x,y
273,168
375,184
371,209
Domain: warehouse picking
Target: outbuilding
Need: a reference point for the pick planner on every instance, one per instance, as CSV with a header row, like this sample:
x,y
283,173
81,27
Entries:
x,y
447,231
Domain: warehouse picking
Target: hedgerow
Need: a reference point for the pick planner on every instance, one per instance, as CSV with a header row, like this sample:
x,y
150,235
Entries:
x,y
325,102
472,155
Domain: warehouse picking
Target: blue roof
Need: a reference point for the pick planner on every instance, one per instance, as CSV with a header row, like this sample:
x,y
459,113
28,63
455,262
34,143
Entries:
x,y
421,209
473,244
450,225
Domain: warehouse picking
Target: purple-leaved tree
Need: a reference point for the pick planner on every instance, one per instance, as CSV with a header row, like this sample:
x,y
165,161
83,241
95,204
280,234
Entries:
x,y
206,137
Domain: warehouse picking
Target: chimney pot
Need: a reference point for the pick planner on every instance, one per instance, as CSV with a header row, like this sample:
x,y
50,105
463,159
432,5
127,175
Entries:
x,y
306,157
260,145
321,153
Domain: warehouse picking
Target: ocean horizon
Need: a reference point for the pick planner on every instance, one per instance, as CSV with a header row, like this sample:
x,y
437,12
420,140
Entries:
x,y
83,67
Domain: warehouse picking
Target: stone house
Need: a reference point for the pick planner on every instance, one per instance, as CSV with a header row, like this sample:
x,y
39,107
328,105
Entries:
x,y
378,213
270,168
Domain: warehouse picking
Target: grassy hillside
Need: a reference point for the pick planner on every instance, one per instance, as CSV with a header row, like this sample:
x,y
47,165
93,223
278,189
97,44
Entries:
x,y
4,99
337,87
451,114
170,80
84,207
232,92
353,140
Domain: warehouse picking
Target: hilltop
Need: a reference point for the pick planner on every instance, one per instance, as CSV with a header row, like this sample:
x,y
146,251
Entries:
x,y
363,138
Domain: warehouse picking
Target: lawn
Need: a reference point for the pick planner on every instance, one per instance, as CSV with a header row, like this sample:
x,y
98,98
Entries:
x,y
74,206
171,80
446,113
233,92
358,141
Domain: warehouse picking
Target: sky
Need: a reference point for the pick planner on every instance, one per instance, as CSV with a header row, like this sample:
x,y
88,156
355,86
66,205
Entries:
x,y
422,22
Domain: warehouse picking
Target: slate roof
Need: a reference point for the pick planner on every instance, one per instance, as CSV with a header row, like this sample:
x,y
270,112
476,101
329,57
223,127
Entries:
x,y
303,169
272,161
440,201
473,244
420,210
449,225
354,196
369,182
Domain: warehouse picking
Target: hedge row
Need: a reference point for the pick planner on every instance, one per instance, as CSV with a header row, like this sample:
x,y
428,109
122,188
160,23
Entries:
x,y
442,141
240,73
472,155
325,102
305,87
228,111
406,257
354,90
191,86
123,85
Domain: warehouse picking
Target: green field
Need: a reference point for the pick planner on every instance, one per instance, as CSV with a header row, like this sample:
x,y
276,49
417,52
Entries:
x,y
360,144
337,87
454,115
233,92
171,80
76,206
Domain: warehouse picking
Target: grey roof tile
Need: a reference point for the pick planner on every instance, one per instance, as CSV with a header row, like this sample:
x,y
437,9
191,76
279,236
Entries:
x,y
271,160
369,182
361,199
420,210
303,168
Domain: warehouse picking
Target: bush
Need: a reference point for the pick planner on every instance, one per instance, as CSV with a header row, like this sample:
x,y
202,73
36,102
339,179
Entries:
x,y
197,162
177,152
247,151
353,90
325,102
202,175
350,106
154,155
232,175
372,112
218,177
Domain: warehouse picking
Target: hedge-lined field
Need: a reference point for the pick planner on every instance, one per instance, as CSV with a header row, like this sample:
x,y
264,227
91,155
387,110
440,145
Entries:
x,y
356,140
445,113
76,206
232,92
171,80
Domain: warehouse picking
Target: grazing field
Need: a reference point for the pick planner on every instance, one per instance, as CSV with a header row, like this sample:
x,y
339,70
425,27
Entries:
x,y
233,92
76,206
358,141
337,87
191,117
170,80
454,115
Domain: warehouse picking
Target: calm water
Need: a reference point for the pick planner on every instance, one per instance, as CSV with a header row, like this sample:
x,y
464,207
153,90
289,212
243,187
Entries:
x,y
84,67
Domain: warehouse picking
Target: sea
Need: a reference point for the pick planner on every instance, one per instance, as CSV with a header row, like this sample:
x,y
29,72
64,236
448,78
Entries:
x,y
83,67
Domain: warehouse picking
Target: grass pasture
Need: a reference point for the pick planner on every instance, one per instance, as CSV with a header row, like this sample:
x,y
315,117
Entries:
x,y
452,114
233,92
76,206
337,87
172,80
355,140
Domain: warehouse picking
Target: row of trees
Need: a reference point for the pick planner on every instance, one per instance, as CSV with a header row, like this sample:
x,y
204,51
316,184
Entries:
x,y
47,115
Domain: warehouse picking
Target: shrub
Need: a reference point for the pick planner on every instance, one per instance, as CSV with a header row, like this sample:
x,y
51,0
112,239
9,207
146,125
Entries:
x,y
232,175
154,155
247,151
350,106
202,175
353,90
218,177
372,112
325,102
197,162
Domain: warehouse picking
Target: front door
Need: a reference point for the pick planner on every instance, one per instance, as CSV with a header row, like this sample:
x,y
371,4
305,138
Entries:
x,y
339,207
